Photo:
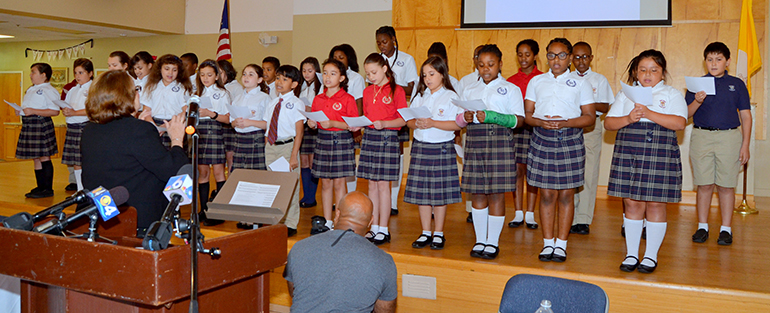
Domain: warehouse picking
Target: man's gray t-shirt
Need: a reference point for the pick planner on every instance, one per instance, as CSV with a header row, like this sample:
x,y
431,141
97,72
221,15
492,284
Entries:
x,y
346,276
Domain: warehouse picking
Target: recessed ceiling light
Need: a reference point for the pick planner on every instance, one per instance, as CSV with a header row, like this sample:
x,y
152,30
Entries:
x,y
6,36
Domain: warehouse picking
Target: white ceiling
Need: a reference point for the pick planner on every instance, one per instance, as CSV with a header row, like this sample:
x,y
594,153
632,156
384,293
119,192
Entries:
x,y
21,27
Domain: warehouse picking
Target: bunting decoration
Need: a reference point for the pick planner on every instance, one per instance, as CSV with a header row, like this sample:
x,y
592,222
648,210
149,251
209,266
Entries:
x,y
71,52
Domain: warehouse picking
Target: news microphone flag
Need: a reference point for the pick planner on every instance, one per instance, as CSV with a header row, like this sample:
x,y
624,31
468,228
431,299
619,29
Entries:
x,y
182,185
749,60
104,203
223,49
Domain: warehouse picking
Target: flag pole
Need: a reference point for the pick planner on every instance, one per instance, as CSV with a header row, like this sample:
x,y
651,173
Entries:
x,y
744,208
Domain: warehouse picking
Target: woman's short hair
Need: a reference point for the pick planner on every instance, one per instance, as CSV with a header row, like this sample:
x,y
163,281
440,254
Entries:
x,y
111,97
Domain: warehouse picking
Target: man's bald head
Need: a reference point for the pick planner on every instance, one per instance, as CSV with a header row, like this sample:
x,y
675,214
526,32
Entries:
x,y
354,212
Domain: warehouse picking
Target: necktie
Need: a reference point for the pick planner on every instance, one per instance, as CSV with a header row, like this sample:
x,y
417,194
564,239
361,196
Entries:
x,y
272,133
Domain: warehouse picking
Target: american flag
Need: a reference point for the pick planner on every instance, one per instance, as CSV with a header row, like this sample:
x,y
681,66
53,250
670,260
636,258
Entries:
x,y
223,49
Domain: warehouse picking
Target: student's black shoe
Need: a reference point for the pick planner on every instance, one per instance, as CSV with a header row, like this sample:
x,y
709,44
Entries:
x,y
469,219
725,238
647,269
40,193
419,244
382,239
477,253
559,258
290,231
700,236
629,268
531,226
306,205
393,212
71,187
437,244
580,229
513,224
243,225
490,255
546,255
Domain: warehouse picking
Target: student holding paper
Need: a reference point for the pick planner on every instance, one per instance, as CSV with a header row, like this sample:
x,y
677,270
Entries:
x,y
379,159
646,167
433,181
718,148
37,140
334,156
311,86
76,117
558,106
166,92
489,170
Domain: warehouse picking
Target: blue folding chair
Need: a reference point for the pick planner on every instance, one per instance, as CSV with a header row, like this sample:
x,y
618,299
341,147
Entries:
x,y
524,292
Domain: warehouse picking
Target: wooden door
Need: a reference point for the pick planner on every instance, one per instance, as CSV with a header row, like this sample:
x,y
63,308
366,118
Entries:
x,y
11,90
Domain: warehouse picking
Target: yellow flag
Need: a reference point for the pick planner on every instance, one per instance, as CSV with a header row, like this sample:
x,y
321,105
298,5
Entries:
x,y
749,60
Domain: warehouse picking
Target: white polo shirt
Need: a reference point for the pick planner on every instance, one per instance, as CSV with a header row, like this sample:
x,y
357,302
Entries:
x,y
355,84
219,99
288,116
665,100
41,97
441,106
234,88
559,96
600,85
271,90
76,98
499,96
165,101
257,101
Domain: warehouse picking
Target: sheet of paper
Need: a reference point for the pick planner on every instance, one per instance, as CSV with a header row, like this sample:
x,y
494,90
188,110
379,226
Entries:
x,y
638,94
460,152
318,116
412,113
253,194
470,105
696,84
360,121
15,107
280,165
62,104
238,111
548,118
205,103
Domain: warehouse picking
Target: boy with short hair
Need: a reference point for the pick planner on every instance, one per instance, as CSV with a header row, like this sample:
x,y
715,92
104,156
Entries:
x,y
718,148
285,126
190,64
269,67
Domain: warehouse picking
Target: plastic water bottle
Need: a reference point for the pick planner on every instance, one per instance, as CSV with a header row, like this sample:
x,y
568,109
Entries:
x,y
545,307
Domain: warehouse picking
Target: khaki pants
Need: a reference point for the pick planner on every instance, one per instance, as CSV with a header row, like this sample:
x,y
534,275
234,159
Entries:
x,y
585,198
273,153
714,156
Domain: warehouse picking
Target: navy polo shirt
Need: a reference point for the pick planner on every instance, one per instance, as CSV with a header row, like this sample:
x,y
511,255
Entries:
x,y
721,110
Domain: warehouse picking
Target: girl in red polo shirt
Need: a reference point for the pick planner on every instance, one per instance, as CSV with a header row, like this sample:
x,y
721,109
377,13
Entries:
x,y
334,157
379,159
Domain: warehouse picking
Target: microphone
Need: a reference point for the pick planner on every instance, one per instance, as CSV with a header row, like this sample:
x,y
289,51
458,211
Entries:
x,y
104,201
193,114
26,221
179,192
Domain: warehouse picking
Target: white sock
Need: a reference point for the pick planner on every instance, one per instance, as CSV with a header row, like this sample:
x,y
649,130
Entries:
x,y
329,224
397,185
438,239
645,223
518,217
375,228
494,228
728,229
548,245
655,234
633,238
703,226
560,244
468,206
79,178
352,185
529,217
423,239
384,230
480,217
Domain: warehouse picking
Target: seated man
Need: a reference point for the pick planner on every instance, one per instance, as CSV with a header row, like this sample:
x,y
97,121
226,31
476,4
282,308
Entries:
x,y
340,270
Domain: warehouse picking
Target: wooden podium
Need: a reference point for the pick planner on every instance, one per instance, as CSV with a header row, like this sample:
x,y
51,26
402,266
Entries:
x,y
73,275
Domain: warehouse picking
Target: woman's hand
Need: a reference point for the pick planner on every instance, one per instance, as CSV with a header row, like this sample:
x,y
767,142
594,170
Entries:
x,y
175,128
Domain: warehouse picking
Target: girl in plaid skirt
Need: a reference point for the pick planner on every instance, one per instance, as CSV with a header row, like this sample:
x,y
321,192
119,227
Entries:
x,y
334,155
250,139
646,167
76,116
166,92
433,181
311,86
37,140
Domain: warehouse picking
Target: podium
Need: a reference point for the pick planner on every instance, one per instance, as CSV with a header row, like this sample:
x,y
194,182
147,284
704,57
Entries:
x,y
61,274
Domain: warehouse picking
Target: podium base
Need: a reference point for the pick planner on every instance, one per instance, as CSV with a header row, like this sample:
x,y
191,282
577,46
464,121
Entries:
x,y
745,209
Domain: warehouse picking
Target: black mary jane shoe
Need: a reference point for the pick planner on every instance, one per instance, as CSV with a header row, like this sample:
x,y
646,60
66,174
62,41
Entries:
x,y
306,205
369,235
385,239
647,269
513,224
546,257
244,225
490,255
478,253
629,268
532,226
559,258
419,244
437,245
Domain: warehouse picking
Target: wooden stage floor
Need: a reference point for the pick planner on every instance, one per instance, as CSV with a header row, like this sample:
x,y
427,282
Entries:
x,y
713,278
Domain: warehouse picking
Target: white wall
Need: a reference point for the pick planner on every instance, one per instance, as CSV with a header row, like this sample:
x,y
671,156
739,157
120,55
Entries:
x,y
303,7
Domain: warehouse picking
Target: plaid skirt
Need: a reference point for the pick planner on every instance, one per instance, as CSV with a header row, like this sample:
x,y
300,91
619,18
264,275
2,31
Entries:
x,y
433,178
646,164
37,138
250,150
308,141
403,134
164,137
334,156
556,158
229,136
71,154
521,137
211,146
379,158
489,160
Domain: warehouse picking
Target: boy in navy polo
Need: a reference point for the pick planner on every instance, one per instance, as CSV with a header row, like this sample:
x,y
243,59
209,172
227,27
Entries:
x,y
718,148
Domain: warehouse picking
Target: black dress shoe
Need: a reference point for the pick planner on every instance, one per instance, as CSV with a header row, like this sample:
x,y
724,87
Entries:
x,y
306,205
559,258
647,269
290,231
725,238
369,235
393,212
574,229
544,255
437,245
478,253
513,224
532,226
490,255
419,244
700,235
40,193
385,239
629,268
580,229
469,219
71,187
243,225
